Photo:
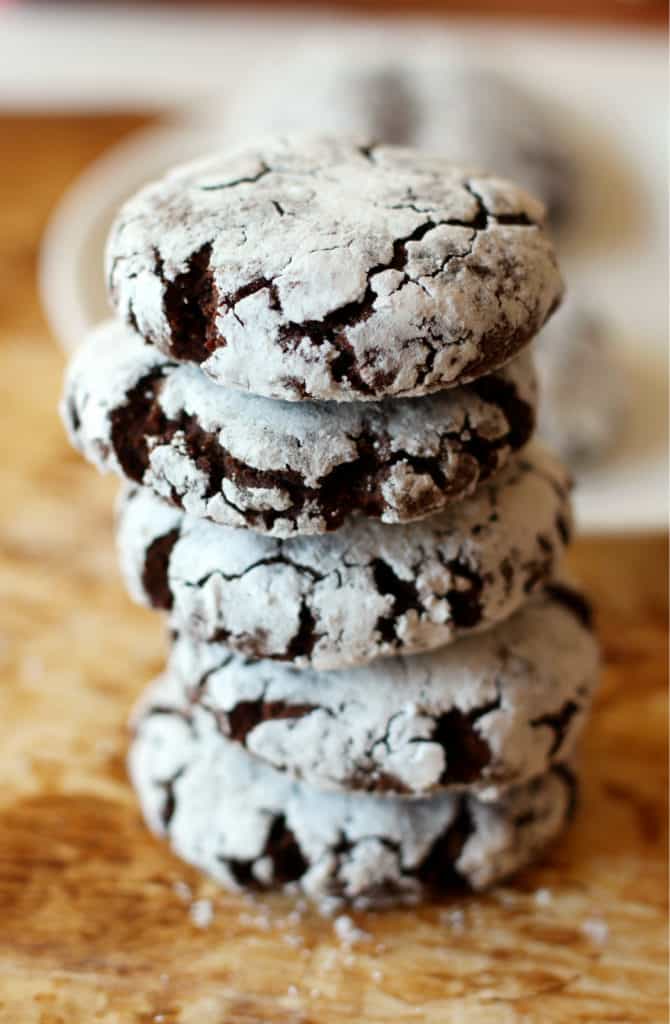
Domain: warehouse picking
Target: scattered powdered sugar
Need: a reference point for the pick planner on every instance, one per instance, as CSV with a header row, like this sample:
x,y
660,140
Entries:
x,y
543,897
261,921
183,891
595,929
348,932
454,918
328,906
201,913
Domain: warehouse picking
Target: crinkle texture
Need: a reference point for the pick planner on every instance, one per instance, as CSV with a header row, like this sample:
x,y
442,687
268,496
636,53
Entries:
x,y
247,825
283,468
485,713
365,591
322,268
583,386
474,115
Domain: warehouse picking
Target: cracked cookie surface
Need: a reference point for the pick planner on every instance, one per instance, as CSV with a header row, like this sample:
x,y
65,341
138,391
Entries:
x,y
486,713
321,268
367,590
283,468
248,825
474,115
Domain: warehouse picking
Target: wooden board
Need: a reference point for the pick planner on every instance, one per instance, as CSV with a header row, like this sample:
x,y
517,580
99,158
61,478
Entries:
x,y
96,923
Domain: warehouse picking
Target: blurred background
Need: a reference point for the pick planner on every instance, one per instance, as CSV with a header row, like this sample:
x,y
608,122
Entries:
x,y
568,97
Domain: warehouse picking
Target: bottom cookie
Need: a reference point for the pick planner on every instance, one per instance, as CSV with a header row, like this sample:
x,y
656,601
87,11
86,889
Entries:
x,y
245,824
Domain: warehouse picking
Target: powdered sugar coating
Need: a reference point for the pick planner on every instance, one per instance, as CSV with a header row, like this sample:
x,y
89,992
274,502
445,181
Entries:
x,y
485,713
248,825
285,467
366,591
324,268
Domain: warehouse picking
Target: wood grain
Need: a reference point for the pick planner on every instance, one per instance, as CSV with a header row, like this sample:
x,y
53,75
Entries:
x,y
92,926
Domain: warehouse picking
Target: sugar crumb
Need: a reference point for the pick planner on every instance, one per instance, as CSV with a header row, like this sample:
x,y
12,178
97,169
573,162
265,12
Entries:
x,y
201,913
543,897
454,918
595,929
348,932
183,891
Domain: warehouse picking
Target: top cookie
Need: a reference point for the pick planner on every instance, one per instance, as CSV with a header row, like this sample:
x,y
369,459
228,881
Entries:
x,y
320,268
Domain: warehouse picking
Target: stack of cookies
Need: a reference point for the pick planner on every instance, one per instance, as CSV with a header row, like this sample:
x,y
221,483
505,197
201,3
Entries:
x,y
318,392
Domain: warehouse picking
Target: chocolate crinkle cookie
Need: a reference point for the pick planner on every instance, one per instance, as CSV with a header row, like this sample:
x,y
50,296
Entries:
x,y
248,825
283,468
328,269
585,391
365,591
484,713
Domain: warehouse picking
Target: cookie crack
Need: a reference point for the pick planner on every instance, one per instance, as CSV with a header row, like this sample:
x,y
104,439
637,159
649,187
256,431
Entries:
x,y
304,640
367,152
282,848
518,413
155,572
464,596
279,559
467,753
439,868
571,599
246,715
169,807
559,722
190,303
405,599
248,180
